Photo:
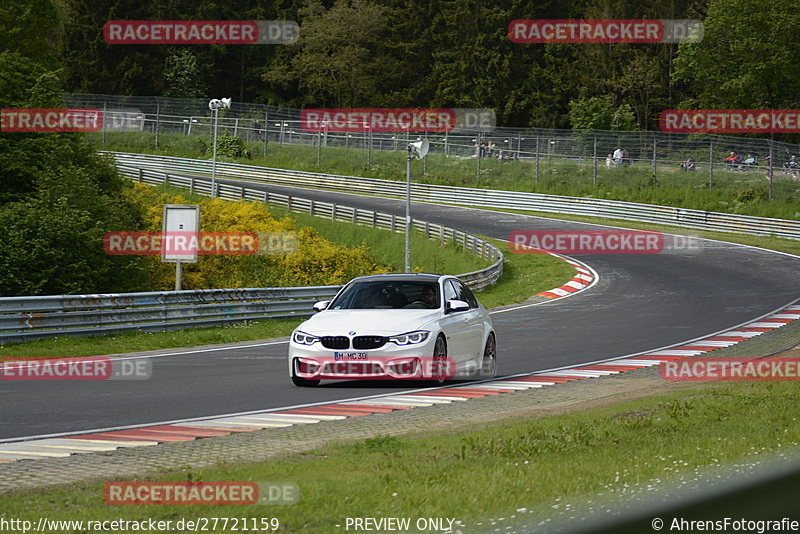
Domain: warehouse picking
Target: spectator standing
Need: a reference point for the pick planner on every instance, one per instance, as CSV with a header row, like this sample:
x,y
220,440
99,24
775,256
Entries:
x,y
618,157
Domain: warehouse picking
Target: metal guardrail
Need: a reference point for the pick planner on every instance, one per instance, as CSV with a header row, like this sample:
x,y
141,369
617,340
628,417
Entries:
x,y
612,209
29,318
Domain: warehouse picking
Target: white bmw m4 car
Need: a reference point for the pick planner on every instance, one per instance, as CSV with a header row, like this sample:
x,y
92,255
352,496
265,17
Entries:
x,y
395,327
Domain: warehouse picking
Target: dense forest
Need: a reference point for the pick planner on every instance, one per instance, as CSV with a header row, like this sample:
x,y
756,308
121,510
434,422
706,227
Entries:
x,y
447,53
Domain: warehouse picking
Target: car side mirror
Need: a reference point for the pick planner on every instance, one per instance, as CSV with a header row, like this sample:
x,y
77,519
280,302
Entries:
x,y
321,305
455,306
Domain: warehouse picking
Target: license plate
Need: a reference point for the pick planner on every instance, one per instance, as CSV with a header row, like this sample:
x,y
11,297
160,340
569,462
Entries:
x,y
349,356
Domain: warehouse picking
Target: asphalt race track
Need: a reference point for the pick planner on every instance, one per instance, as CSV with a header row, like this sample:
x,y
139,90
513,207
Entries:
x,y
642,302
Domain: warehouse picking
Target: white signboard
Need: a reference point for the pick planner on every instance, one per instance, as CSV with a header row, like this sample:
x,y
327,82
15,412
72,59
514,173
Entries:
x,y
180,229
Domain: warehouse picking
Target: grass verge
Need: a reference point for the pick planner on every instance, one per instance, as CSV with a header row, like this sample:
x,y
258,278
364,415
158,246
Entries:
x,y
485,470
732,191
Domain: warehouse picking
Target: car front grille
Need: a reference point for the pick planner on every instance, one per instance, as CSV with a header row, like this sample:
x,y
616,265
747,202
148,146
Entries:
x,y
335,342
368,342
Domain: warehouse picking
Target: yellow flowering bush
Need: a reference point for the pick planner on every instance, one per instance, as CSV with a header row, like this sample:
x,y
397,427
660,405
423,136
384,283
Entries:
x,y
317,261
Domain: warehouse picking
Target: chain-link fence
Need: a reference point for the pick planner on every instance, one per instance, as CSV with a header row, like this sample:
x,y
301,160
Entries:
x,y
530,159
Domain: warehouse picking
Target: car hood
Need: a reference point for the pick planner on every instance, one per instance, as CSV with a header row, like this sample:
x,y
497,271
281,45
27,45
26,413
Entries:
x,y
365,322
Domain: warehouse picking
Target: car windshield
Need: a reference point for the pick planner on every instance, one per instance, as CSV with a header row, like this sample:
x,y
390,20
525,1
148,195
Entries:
x,y
388,294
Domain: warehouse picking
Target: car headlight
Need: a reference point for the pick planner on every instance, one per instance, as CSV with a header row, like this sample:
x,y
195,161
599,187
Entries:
x,y
301,338
410,338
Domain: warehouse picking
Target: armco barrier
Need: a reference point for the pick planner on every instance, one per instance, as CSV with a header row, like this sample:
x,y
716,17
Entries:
x,y
28,318
612,209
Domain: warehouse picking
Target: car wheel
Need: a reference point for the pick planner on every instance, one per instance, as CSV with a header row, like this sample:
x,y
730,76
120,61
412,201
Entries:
x,y
439,371
303,382
489,363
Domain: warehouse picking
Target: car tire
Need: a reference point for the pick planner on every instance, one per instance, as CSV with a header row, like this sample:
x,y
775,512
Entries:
x,y
303,382
489,361
438,373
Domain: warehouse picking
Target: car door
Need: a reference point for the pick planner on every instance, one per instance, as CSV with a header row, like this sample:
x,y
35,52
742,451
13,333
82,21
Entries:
x,y
473,321
454,326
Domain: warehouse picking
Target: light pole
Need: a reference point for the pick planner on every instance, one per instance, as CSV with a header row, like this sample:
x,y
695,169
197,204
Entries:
x,y
417,150
215,105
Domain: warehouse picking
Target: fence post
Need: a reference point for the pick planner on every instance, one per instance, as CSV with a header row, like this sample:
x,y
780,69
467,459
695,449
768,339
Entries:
x,y
311,208
191,120
710,162
519,146
655,140
266,131
594,161
141,172
158,120
537,159
425,159
105,120
191,185
369,146
771,175
319,145
446,148
236,127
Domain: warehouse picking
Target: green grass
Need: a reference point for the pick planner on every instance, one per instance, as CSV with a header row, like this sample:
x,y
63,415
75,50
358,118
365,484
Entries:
x,y
388,247
486,470
732,192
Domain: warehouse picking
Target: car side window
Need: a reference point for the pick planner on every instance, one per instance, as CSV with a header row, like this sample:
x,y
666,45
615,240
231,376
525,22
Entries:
x,y
470,297
463,293
450,292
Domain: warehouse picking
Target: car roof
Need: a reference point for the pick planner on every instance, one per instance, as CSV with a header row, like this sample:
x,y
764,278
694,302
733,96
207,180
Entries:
x,y
403,277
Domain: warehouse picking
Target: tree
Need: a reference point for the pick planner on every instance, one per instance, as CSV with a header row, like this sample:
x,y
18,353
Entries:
x,y
600,113
58,197
182,74
747,58
334,61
